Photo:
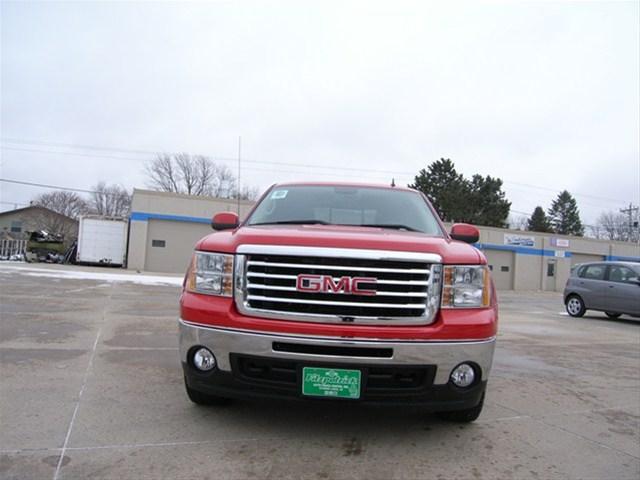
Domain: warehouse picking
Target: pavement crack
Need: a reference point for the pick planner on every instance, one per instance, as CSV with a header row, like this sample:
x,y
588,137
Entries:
x,y
590,440
82,388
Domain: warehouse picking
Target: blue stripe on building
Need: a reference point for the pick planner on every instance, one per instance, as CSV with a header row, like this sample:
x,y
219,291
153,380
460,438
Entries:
x,y
143,217
616,258
522,250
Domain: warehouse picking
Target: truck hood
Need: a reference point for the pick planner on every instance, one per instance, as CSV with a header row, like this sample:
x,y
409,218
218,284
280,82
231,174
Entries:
x,y
336,236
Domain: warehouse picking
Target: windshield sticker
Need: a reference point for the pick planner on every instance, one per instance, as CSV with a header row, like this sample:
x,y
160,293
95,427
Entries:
x,y
279,194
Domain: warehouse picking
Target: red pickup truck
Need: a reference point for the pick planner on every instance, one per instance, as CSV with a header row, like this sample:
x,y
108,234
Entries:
x,y
342,292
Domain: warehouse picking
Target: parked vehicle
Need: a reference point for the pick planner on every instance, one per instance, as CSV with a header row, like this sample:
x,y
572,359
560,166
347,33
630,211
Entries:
x,y
102,240
610,287
43,246
340,292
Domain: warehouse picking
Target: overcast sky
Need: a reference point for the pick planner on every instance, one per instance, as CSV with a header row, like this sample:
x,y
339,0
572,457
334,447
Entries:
x,y
545,95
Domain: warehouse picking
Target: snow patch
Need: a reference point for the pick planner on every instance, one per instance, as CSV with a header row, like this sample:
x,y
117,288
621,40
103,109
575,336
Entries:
x,y
89,275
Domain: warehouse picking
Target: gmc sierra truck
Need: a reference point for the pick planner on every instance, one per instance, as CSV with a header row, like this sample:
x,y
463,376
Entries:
x,y
339,292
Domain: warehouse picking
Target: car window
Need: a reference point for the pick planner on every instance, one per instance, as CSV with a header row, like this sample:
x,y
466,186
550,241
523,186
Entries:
x,y
622,274
594,272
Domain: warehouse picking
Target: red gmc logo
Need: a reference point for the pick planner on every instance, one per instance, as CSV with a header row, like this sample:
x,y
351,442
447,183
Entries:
x,y
326,284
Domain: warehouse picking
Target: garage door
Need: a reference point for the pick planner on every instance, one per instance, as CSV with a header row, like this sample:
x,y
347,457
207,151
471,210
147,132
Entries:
x,y
501,264
585,258
170,244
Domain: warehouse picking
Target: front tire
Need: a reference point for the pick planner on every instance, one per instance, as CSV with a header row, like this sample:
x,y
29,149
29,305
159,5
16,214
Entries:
x,y
575,306
612,314
200,398
463,416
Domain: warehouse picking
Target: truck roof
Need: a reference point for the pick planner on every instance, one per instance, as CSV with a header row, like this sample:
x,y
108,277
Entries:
x,y
343,184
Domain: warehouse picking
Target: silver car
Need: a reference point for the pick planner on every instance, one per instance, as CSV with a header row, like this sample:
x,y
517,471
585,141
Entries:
x,y
610,287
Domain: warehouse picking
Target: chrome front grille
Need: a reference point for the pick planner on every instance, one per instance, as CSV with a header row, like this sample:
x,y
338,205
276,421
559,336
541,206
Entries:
x,y
400,288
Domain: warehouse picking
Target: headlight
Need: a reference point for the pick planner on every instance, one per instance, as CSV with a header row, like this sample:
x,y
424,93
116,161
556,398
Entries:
x,y
211,274
465,286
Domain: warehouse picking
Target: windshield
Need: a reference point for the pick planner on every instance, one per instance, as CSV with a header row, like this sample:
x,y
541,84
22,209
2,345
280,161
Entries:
x,y
358,206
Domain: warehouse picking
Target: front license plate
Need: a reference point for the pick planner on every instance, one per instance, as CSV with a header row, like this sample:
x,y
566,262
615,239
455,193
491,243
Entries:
x,y
331,382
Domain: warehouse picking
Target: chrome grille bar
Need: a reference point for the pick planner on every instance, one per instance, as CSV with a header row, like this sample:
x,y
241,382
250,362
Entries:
x,y
345,304
383,293
294,277
252,263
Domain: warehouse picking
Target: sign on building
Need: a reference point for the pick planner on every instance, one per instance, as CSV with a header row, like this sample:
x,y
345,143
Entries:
x,y
560,242
519,240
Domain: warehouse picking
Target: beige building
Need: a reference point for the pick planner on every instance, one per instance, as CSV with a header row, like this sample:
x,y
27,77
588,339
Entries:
x,y
542,261
164,228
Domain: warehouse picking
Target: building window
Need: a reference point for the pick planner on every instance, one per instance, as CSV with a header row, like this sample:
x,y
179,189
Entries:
x,y
158,243
491,267
16,226
504,268
551,269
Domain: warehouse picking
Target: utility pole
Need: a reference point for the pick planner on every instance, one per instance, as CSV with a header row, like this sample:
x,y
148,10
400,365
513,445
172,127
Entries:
x,y
239,156
629,212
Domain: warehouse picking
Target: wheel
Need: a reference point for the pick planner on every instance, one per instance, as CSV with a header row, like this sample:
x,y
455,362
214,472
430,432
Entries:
x,y
575,306
200,398
612,314
463,416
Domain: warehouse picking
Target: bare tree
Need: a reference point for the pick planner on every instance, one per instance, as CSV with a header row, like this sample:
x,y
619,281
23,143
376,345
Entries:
x,y
517,222
616,226
248,193
163,174
63,202
193,175
110,200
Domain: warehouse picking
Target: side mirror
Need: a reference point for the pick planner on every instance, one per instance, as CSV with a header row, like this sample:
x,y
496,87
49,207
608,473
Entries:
x,y
225,221
465,232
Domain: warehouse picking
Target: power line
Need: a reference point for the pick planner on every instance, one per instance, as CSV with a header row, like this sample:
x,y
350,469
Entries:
x,y
146,152
72,145
555,191
235,161
15,203
94,155
55,187
259,162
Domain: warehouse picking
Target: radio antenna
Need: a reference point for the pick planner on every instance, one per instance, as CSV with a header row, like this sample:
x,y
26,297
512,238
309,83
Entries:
x,y
239,156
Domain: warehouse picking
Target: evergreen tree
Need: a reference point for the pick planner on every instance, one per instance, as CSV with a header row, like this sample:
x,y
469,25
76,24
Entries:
x,y
456,199
445,188
564,215
539,221
488,205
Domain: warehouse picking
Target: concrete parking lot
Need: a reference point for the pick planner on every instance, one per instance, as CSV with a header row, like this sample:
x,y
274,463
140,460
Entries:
x,y
91,387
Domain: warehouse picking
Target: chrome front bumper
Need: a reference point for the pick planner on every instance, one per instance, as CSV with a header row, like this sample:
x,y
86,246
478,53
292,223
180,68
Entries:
x,y
445,355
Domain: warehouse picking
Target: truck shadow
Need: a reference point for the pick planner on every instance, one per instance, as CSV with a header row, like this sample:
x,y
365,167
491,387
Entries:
x,y
623,320
318,418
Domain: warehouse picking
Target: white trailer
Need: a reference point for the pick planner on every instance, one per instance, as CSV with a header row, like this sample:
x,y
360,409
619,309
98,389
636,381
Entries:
x,y
102,240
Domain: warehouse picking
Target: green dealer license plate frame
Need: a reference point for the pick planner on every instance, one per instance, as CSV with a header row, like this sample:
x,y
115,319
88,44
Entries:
x,y
331,382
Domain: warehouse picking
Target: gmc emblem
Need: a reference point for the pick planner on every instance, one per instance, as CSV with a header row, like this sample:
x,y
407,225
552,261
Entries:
x,y
326,284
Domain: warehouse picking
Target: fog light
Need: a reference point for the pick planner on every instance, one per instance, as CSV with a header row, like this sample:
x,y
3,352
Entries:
x,y
204,360
463,375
